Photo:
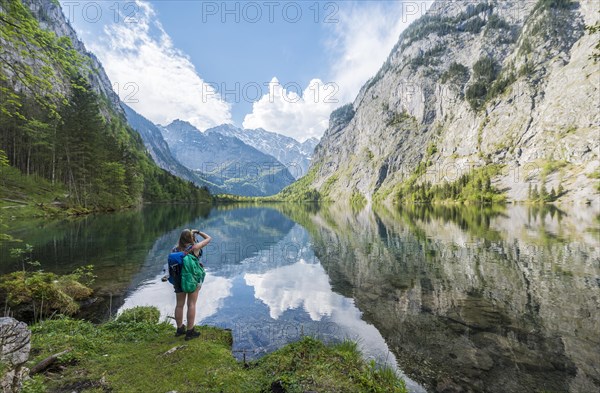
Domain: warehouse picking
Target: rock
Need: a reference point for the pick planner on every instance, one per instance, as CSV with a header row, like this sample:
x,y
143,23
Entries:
x,y
14,351
174,349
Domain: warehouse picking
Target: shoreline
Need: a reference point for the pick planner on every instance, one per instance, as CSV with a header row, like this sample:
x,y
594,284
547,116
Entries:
x,y
129,352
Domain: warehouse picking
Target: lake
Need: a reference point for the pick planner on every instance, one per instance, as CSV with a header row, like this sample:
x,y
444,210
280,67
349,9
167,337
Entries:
x,y
456,299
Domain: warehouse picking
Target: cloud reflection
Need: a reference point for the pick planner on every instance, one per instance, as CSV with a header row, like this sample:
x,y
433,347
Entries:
x,y
160,294
306,285
293,286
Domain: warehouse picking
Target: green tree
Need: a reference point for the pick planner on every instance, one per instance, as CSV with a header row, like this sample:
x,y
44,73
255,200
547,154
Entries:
x,y
535,194
595,29
544,193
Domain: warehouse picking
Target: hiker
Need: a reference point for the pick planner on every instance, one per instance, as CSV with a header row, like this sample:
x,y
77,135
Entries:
x,y
187,280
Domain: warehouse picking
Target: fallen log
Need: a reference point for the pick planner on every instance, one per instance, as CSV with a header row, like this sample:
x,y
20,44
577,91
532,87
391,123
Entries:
x,y
44,364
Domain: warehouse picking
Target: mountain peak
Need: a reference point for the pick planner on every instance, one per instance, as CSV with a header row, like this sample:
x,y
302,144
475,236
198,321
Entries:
x,y
294,155
182,124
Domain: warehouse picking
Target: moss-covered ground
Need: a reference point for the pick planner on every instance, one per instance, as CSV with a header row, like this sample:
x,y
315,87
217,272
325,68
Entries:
x,y
138,355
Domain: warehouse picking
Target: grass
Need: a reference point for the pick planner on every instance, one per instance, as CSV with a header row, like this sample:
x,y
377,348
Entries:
x,y
358,200
551,166
132,356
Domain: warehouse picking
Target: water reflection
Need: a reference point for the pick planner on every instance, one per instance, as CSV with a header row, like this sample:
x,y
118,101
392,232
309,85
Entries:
x,y
466,299
301,285
115,244
266,284
473,299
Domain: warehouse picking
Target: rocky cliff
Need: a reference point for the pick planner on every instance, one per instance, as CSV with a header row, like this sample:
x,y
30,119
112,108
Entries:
x,y
50,16
469,85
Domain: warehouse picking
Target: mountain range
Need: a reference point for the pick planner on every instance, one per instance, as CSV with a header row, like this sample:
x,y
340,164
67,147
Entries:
x,y
475,101
296,156
160,152
226,161
107,161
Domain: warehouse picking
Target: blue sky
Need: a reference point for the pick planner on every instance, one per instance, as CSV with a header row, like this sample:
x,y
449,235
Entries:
x,y
282,66
242,51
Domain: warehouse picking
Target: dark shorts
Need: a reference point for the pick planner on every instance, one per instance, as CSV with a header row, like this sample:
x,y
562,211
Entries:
x,y
177,285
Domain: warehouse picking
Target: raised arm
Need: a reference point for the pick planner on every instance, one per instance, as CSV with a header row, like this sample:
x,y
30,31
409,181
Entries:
x,y
202,243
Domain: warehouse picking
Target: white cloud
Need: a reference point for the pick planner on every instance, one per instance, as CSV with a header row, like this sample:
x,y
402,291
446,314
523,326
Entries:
x,y
364,37
299,116
142,62
359,43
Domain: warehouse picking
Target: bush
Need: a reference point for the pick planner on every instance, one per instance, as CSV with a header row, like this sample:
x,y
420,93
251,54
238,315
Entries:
x,y
543,5
476,94
144,314
485,69
357,200
36,295
495,22
457,74
501,85
485,72
429,58
474,25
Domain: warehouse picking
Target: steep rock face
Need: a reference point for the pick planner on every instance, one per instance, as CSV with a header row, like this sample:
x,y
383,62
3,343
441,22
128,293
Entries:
x,y
226,161
160,152
468,85
294,155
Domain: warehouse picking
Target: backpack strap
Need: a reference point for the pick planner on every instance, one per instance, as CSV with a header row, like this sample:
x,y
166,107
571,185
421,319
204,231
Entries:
x,y
187,250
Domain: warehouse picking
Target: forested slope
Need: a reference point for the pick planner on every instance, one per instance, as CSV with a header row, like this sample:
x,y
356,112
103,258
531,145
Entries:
x,y
60,120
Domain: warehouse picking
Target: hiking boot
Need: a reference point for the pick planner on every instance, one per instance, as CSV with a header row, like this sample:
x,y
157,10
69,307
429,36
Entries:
x,y
180,331
190,334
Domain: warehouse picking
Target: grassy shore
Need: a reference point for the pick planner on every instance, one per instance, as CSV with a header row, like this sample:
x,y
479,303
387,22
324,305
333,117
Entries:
x,y
142,355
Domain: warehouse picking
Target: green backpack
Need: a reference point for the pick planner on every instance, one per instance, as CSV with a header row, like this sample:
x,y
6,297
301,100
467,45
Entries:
x,y
192,273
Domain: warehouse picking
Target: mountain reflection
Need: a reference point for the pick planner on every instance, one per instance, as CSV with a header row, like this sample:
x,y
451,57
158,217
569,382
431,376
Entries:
x,y
472,299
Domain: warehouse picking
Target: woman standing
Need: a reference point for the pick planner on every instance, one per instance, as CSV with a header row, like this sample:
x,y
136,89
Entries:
x,y
188,244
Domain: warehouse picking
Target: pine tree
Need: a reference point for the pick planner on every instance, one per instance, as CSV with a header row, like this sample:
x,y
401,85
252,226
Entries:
x,y
543,193
534,194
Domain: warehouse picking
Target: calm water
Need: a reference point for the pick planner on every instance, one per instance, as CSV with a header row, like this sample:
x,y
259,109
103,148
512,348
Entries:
x,y
470,299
